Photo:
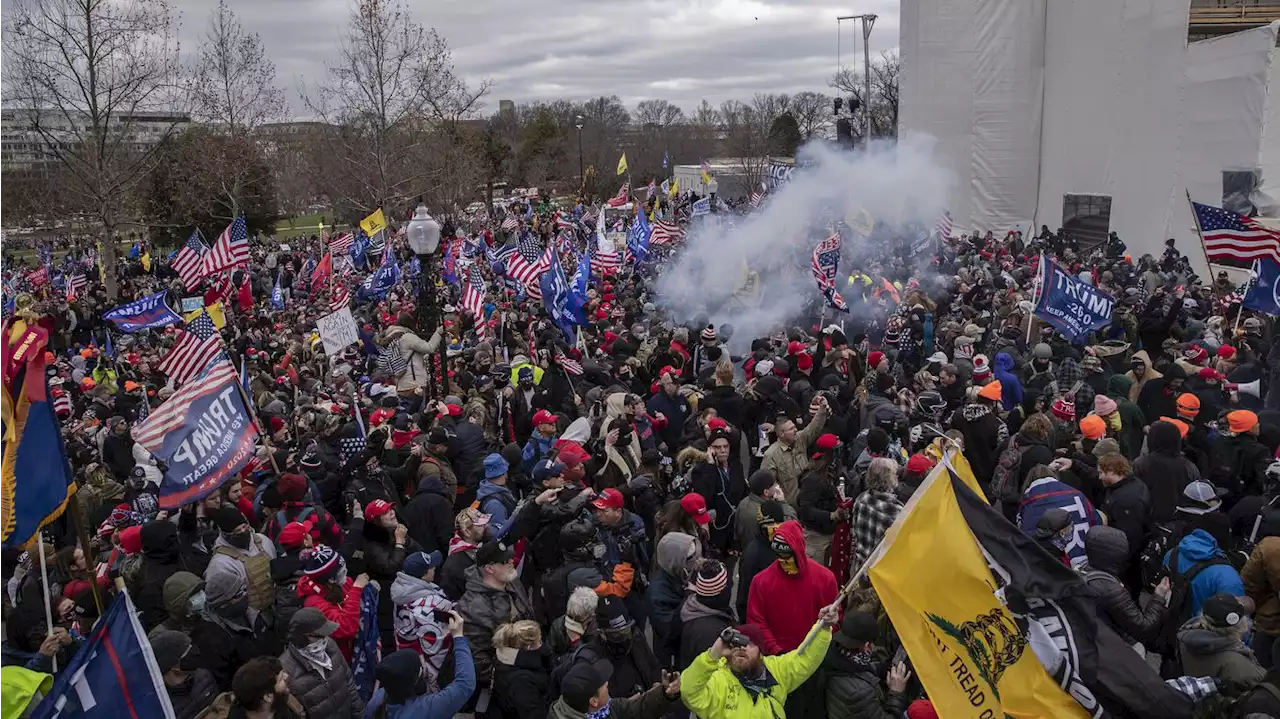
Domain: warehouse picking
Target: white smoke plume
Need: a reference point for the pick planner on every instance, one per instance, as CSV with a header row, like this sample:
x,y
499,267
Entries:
x,y
897,183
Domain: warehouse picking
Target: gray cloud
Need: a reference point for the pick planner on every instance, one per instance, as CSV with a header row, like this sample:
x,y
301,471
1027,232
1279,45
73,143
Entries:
x,y
678,50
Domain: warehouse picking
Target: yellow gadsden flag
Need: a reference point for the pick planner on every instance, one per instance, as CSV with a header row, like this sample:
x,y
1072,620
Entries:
x,y
374,223
622,164
964,644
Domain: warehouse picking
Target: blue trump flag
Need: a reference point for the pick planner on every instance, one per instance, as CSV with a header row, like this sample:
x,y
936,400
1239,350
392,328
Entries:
x,y
360,248
555,296
638,237
1074,308
277,295
367,652
1263,294
150,312
383,279
113,676
578,289
203,434
36,474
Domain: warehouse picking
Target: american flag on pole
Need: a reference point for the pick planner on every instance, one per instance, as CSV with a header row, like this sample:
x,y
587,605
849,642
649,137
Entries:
x,y
189,264
75,284
197,346
341,244
341,297
511,224
620,199
473,297
825,263
1235,240
570,365
758,196
945,225
666,232
529,261
230,250
173,412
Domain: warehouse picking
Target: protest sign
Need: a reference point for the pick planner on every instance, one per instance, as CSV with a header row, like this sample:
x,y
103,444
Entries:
x,y
338,330
191,304
1075,308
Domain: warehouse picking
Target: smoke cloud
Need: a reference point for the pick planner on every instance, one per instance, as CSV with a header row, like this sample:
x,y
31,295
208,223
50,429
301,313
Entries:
x,y
902,185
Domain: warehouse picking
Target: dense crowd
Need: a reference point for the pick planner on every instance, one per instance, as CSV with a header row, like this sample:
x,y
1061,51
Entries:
x,y
653,519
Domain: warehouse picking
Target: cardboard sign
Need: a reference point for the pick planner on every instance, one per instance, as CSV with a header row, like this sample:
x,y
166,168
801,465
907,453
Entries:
x,y
191,304
338,330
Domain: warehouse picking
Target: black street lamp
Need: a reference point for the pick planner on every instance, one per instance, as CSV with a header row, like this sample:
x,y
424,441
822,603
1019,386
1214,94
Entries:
x,y
577,122
423,234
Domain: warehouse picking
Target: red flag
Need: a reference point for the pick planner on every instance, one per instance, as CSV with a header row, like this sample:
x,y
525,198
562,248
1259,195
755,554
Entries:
x,y
245,296
322,273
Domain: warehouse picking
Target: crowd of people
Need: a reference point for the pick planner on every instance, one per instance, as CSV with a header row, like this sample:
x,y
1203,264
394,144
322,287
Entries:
x,y
657,518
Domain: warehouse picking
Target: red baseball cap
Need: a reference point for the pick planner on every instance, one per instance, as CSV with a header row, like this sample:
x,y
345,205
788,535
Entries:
x,y
544,417
695,506
609,499
455,410
293,533
919,464
716,423
572,454
825,443
377,508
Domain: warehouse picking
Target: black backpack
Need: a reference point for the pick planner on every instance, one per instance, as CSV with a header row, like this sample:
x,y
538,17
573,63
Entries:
x,y
1005,479
1164,538
1179,608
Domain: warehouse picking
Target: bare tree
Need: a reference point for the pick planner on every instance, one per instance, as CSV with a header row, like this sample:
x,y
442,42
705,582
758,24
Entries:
x,y
234,82
391,88
605,119
658,113
87,75
746,129
884,94
812,111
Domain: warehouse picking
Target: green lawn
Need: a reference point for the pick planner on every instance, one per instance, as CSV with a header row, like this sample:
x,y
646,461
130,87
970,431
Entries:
x,y
303,226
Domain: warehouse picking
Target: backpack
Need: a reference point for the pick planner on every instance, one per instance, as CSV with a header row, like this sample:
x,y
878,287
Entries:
x,y
283,519
391,360
1164,538
1004,481
287,604
1180,605
1223,465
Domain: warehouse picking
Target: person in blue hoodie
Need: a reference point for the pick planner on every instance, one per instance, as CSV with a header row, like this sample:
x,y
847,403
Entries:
x,y
1218,575
403,685
1010,386
495,499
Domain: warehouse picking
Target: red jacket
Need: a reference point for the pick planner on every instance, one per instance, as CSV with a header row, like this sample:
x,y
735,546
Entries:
x,y
785,606
346,615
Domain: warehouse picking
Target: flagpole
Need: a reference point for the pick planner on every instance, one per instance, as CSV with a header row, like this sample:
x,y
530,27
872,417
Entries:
x,y
48,608
77,513
1200,233
265,436
1254,272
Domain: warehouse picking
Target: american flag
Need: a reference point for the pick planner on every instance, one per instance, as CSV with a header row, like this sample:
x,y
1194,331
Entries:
x,y
620,199
527,264
1232,239
341,244
225,287
230,250
75,284
341,297
570,365
825,262
511,224
945,225
350,447
189,264
604,257
589,217
758,196
665,232
61,403
197,346
173,412
563,222
473,297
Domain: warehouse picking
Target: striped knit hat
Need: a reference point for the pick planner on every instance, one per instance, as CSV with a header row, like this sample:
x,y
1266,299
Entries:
x,y
320,562
711,579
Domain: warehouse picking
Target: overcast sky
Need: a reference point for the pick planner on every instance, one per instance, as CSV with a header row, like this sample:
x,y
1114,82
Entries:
x,y
678,50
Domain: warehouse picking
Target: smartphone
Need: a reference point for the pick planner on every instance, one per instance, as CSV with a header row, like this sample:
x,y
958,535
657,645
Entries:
x,y
899,657
442,615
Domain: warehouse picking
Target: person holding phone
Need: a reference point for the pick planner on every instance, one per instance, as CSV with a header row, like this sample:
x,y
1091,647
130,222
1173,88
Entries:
x,y
850,678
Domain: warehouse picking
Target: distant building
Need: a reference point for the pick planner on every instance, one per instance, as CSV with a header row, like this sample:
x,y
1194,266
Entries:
x,y
734,177
506,107
1211,18
22,147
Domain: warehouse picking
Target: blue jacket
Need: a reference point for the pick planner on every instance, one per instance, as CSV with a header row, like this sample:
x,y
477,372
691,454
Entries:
x,y
1197,547
1010,387
494,501
440,705
1048,493
535,449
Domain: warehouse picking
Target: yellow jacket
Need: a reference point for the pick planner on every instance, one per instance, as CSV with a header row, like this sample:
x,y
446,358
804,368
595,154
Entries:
x,y
710,690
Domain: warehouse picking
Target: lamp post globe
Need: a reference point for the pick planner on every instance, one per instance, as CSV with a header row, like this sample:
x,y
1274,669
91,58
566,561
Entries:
x,y
423,232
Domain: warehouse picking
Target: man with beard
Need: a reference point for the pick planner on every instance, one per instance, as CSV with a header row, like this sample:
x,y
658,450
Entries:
x,y
494,597
749,683
526,399
260,690
436,463
470,528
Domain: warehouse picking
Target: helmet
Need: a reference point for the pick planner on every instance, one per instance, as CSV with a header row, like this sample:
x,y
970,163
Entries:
x,y
577,536
930,403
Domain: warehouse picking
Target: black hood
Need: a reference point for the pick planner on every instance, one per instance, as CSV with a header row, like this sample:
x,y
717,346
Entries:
x,y
160,541
1107,549
1164,438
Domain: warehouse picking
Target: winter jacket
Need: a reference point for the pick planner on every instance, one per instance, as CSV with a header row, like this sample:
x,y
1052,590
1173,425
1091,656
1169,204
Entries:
x,y
789,463
1048,493
1261,577
193,695
1132,421
331,695
852,687
1238,464
223,649
666,591
484,608
722,488
983,434
746,524
1010,385
323,522
443,704
1108,550
728,404
711,690
466,451
226,564
416,600
1149,373
1206,653
346,614
429,515
417,352
755,559
653,704
816,501
676,410
162,557
1032,451
1164,470
499,503
700,627
520,684
1200,546
453,575
1127,505
785,605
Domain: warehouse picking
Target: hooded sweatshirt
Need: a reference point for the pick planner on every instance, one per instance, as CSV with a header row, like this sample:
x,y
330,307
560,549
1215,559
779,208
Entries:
x,y
1164,470
1010,385
1147,376
416,601
786,605
1197,547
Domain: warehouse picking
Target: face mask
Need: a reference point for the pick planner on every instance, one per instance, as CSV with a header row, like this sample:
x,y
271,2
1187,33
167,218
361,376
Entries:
x,y
196,602
619,643
234,609
240,540
191,660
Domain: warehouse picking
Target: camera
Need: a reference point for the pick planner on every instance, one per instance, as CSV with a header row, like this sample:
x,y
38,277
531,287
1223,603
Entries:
x,y
733,638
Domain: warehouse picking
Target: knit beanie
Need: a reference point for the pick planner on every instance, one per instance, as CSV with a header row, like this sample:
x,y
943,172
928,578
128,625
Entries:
x,y
1064,408
711,579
